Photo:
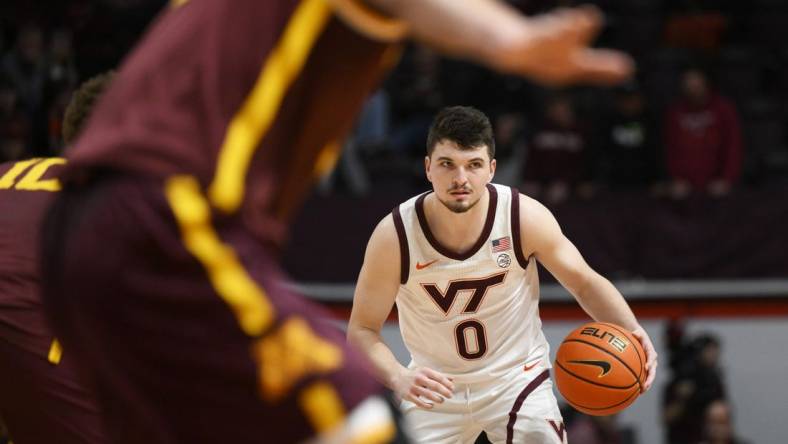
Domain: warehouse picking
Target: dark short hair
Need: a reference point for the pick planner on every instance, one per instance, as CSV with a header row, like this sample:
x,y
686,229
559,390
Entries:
x,y
464,125
81,104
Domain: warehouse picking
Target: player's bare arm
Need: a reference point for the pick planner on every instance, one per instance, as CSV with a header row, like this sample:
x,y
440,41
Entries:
x,y
549,48
542,238
376,290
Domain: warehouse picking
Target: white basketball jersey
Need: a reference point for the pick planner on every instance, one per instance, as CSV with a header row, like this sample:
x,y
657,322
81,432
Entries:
x,y
473,316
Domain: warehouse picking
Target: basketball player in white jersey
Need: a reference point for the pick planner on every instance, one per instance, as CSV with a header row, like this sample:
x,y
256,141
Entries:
x,y
461,264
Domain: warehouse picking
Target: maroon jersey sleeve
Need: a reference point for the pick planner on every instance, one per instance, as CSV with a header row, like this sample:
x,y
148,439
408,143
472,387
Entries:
x,y
246,96
26,189
169,105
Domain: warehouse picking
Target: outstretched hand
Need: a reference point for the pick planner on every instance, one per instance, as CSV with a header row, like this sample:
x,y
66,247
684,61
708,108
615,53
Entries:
x,y
553,48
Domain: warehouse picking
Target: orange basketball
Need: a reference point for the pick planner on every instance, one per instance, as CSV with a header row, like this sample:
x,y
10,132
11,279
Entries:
x,y
599,368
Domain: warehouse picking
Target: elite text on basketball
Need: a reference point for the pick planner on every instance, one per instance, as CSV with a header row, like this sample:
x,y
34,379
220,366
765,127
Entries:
x,y
618,343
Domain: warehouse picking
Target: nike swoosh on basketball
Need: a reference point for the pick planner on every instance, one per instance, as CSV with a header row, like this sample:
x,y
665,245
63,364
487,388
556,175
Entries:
x,y
425,265
604,365
529,367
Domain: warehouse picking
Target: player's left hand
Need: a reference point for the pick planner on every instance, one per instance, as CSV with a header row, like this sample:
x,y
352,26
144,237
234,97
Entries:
x,y
651,357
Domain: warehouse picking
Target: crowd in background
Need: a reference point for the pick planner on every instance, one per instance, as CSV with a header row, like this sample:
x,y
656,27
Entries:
x,y
705,114
696,407
46,49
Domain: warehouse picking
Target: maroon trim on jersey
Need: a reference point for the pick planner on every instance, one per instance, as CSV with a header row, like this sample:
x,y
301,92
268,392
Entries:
x,y
559,428
404,251
518,245
519,403
488,224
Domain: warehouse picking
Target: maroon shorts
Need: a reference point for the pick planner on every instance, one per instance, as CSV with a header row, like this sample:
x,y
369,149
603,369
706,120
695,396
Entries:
x,y
44,403
153,311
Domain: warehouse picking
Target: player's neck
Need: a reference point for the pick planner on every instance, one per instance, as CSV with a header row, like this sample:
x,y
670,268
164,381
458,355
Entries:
x,y
456,231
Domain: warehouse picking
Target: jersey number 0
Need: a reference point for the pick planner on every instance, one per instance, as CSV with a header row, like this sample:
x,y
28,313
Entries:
x,y
446,299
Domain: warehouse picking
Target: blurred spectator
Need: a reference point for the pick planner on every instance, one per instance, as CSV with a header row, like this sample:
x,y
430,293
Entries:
x,y
626,143
3,432
510,137
25,67
38,76
55,120
61,79
14,123
597,430
510,146
674,339
556,162
703,139
62,69
718,424
696,383
701,30
9,103
698,6
13,140
415,92
372,125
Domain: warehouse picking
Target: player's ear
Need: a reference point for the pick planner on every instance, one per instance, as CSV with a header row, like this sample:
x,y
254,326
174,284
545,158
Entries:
x,y
427,165
493,164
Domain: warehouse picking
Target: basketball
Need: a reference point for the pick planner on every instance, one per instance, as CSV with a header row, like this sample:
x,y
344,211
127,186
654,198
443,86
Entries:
x,y
599,368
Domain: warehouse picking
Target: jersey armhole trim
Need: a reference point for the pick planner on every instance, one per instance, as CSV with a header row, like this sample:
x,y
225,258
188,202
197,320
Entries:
x,y
404,251
515,214
369,22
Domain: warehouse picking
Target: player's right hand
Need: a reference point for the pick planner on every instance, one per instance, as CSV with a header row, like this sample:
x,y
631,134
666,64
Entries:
x,y
553,49
423,386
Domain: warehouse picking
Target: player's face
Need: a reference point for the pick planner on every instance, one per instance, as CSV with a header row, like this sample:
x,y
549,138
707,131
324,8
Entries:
x,y
459,176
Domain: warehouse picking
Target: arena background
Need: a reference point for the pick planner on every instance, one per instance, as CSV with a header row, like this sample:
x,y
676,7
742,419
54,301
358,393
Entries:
x,y
700,266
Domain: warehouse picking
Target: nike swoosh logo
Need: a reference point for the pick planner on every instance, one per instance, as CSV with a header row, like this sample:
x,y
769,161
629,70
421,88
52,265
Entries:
x,y
604,365
425,265
529,367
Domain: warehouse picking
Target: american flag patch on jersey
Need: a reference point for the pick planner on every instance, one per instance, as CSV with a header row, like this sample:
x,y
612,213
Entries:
x,y
501,244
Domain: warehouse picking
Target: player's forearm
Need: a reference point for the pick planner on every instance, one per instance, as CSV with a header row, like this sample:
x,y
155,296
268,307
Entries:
x,y
387,368
603,302
470,28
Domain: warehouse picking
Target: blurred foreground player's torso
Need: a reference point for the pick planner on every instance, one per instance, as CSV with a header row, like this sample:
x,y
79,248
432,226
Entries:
x,y
245,96
26,189
187,171
42,397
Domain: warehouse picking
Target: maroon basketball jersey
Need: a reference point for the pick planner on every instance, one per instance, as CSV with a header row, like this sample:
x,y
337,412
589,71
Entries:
x,y
26,189
247,96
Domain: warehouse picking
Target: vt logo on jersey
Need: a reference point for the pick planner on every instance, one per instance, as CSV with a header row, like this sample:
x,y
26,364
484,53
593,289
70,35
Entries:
x,y
479,287
469,334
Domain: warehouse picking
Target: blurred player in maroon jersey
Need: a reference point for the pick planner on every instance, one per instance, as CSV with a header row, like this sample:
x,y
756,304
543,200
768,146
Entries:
x,y
160,252
42,398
